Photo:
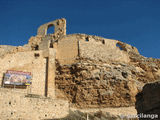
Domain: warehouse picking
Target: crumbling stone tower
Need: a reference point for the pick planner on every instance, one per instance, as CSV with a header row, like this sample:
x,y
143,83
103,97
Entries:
x,y
38,58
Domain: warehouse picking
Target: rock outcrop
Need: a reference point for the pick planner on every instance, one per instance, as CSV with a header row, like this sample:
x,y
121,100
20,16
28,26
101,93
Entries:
x,y
91,83
148,101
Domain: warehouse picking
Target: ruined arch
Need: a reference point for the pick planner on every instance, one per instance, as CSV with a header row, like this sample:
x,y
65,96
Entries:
x,y
59,27
50,29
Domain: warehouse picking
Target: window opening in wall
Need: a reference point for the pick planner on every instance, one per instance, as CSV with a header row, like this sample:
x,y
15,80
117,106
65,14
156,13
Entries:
x,y
50,29
119,46
36,47
51,44
36,55
87,39
103,41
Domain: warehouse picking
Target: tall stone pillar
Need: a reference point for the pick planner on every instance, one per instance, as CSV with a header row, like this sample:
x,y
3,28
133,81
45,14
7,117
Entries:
x,y
51,73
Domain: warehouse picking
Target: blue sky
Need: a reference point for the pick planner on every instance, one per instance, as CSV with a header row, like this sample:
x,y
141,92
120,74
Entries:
x,y
136,22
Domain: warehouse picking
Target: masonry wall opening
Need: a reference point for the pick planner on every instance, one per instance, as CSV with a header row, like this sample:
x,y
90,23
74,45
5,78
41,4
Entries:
x,y
36,47
87,39
121,46
51,44
118,45
36,55
50,29
103,41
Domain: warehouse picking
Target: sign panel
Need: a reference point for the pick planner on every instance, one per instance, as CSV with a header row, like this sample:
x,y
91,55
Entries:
x,y
17,78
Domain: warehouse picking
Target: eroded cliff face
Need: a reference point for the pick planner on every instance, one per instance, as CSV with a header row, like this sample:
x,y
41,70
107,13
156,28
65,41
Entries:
x,y
92,83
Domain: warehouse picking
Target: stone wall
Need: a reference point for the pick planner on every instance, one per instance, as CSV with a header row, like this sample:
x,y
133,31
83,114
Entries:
x,y
67,50
16,105
27,62
107,51
36,63
95,84
59,28
98,48
36,101
4,49
92,47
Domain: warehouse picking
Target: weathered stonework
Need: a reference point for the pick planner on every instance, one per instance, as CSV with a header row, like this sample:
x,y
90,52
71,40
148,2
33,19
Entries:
x,y
16,105
60,28
88,71
101,84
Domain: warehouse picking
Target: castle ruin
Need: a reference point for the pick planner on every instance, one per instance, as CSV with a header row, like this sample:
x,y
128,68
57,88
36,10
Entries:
x,y
38,100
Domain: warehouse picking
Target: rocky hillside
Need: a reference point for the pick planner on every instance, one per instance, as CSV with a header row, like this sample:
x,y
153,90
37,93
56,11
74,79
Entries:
x,y
92,83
